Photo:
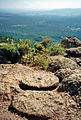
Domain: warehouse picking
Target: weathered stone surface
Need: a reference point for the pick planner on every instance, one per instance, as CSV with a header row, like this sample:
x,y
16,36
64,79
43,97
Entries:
x,y
70,42
60,62
72,84
11,77
39,100
9,80
77,60
40,79
46,104
74,52
65,73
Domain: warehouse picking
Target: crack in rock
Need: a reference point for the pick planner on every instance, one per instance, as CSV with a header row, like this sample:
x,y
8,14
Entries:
x,y
26,87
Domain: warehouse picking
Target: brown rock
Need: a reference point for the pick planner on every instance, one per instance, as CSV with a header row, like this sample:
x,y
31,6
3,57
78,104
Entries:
x,y
5,114
45,105
77,60
40,79
63,73
72,84
74,52
9,79
40,101
70,42
15,78
60,62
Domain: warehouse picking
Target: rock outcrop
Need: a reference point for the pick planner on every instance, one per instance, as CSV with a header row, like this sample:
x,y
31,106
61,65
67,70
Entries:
x,y
60,62
13,78
70,42
74,52
77,60
46,105
65,73
41,95
72,84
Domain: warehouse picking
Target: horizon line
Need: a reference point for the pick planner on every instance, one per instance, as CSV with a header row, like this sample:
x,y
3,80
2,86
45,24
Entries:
x,y
37,9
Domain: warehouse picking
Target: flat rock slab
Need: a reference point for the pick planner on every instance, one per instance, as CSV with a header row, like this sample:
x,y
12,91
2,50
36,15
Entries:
x,y
40,79
47,104
11,75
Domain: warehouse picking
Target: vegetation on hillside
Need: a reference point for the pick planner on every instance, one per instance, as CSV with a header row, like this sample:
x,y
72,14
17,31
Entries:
x,y
25,52
37,26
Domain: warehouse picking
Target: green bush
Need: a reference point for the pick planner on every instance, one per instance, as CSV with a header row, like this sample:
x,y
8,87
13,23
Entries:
x,y
8,54
41,61
38,48
56,49
28,59
36,61
23,47
8,39
46,42
34,54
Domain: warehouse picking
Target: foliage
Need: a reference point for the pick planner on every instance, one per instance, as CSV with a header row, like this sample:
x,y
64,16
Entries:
x,y
39,47
41,61
28,59
8,54
33,55
8,39
36,26
42,47
56,49
46,42
23,47
33,59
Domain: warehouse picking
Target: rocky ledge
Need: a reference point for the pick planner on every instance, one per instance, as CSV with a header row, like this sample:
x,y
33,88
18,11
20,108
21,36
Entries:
x,y
41,95
44,95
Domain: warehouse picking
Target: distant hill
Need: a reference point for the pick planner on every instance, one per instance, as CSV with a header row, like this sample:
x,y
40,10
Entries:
x,y
57,12
57,24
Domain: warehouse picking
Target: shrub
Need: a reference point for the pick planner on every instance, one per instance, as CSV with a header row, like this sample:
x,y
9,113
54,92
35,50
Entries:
x,y
56,49
38,47
46,42
8,54
36,61
41,61
23,47
28,59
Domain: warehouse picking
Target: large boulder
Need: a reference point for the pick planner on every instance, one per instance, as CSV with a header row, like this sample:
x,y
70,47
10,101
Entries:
x,y
70,42
45,105
65,73
72,84
74,52
60,62
33,95
70,80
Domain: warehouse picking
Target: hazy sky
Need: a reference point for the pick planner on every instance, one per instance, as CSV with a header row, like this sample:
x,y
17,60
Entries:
x,y
40,4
